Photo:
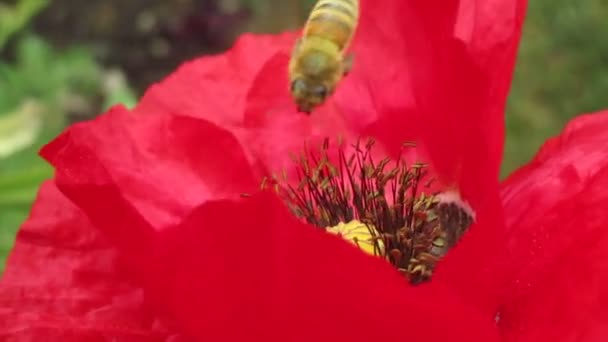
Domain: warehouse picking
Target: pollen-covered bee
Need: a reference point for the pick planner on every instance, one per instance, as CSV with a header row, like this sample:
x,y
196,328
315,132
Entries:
x,y
318,61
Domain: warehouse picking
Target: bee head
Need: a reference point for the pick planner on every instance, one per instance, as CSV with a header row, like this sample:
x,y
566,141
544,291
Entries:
x,y
308,94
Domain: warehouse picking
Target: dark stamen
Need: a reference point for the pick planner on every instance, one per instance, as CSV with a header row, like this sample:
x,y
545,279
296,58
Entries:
x,y
414,228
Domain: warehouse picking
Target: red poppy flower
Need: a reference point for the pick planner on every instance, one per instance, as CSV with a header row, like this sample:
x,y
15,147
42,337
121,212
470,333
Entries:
x,y
144,234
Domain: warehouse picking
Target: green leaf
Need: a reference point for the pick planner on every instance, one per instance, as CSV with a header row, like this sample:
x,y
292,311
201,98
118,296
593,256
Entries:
x,y
10,221
28,177
15,18
117,90
21,128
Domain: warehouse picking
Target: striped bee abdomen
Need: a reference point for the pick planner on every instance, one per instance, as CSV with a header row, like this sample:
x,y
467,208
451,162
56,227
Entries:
x,y
334,20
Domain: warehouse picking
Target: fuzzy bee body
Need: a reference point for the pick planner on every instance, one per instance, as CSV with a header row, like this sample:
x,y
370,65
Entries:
x,y
318,61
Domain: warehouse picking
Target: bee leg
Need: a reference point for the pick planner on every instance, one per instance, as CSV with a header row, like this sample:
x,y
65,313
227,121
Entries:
x,y
347,63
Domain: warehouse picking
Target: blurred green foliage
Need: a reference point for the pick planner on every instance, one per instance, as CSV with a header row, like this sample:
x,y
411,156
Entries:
x,y
40,89
48,76
560,71
35,92
14,18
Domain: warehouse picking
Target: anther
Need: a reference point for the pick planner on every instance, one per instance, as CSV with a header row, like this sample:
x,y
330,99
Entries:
x,y
383,206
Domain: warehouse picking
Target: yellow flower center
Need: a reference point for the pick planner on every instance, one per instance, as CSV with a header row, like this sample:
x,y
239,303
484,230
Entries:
x,y
366,237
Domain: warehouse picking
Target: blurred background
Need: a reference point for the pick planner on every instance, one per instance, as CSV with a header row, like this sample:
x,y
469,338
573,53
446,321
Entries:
x,y
63,61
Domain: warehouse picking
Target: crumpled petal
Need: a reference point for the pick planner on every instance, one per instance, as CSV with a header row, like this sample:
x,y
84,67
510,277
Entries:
x,y
458,62
155,167
228,273
245,90
251,263
64,282
557,210
436,75
200,136
215,87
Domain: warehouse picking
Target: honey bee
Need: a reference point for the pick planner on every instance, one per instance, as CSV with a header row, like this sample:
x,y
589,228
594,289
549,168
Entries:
x,y
318,61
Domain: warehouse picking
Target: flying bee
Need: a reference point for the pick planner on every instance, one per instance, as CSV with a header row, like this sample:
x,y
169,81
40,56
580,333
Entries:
x,y
318,61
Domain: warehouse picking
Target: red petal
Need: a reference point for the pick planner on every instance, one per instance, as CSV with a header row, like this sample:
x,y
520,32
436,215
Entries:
x,y
203,271
247,270
155,168
558,242
458,64
155,178
246,83
215,87
459,60
449,65
435,75
63,282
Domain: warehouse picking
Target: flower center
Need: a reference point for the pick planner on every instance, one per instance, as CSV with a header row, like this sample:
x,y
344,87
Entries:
x,y
363,235
387,211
